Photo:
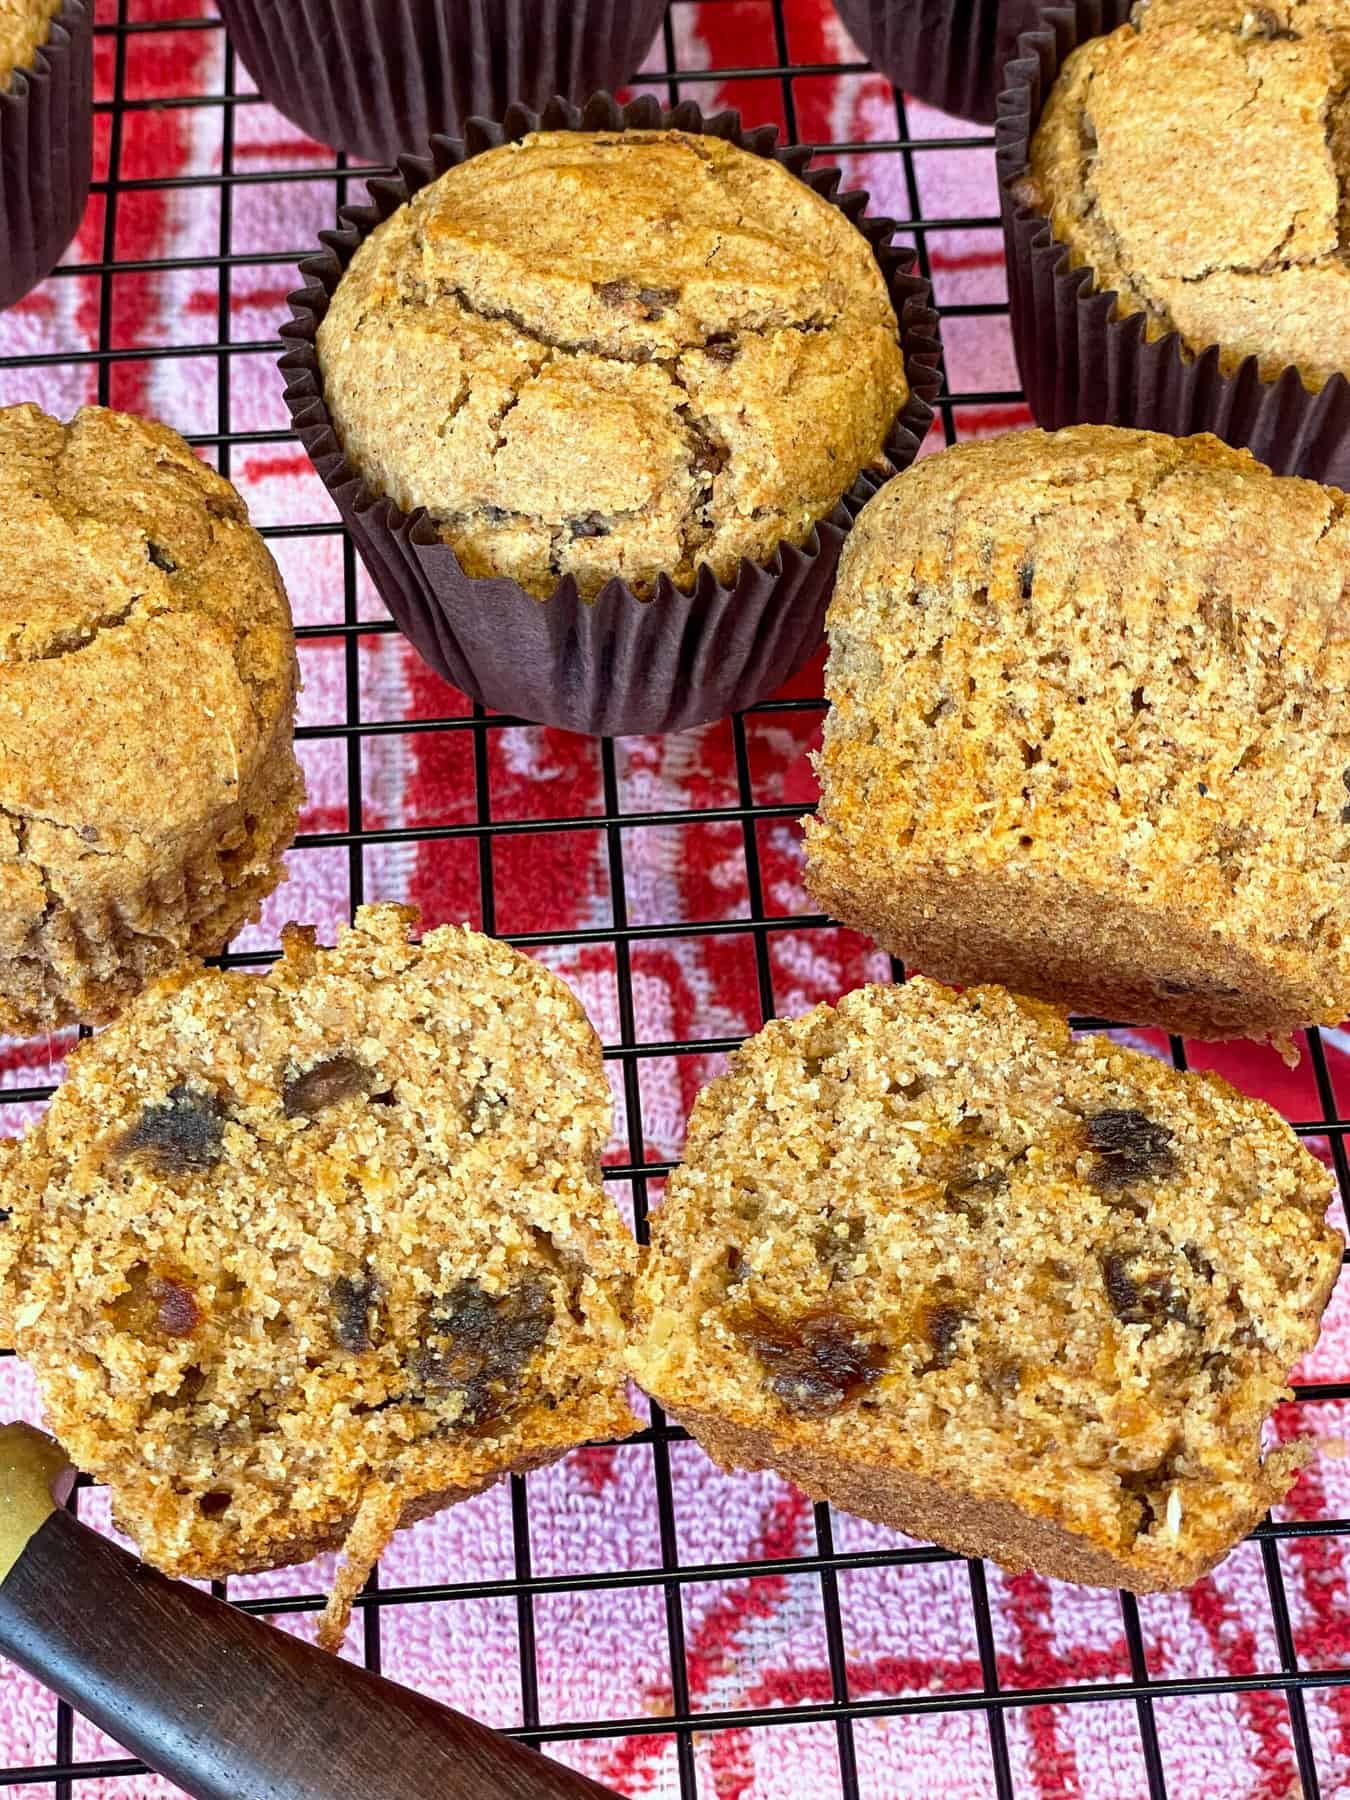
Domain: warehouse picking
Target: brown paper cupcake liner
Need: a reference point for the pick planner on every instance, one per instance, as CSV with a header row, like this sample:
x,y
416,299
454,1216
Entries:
x,y
949,53
1081,364
616,664
379,77
46,151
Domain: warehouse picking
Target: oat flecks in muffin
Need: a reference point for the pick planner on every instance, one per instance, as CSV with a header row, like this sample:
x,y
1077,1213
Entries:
x,y
613,354
148,786
25,25
1197,161
293,1257
1029,1296
1090,731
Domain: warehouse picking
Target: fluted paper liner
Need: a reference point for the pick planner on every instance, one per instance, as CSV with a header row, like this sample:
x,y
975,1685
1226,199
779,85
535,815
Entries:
x,y
949,53
1081,364
379,77
46,151
615,664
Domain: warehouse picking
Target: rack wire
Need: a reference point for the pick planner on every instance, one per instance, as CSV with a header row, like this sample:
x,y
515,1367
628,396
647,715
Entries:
x,y
1290,1680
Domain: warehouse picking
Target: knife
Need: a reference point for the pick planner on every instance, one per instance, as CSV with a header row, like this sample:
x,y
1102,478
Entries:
x,y
222,1703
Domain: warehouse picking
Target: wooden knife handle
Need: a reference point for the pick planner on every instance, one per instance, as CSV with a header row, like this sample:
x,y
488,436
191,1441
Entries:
x,y
231,1708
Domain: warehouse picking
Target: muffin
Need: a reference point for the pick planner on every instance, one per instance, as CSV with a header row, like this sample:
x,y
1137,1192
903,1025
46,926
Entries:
x,y
1031,1297
148,787
601,368
378,77
1114,196
1090,730
46,134
297,1257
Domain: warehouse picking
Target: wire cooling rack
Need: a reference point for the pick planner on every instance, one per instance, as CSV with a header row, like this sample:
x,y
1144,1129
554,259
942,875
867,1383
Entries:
x,y
1284,1671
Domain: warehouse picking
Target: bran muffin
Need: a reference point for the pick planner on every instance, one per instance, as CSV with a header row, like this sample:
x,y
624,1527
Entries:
x,y
295,1258
147,696
1028,1296
46,134
613,354
1090,731
1135,130
24,25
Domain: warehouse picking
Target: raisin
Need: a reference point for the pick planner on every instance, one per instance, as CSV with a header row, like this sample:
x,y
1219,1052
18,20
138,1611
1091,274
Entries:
x,y
478,1343
657,299
212,1505
614,293
589,525
1129,1145
160,558
1139,1297
352,1297
968,1195
722,349
708,457
327,1083
177,1313
942,1326
815,1363
182,1132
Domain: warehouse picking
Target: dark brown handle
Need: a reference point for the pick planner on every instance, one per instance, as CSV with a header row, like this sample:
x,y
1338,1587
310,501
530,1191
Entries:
x,y
229,1707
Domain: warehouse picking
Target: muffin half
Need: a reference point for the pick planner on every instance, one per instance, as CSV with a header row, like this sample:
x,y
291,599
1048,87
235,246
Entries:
x,y
297,1258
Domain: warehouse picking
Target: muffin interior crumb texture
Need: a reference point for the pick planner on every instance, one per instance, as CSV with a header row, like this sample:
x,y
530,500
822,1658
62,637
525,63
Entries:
x,y
1090,730
1197,161
148,785
25,26
927,1238
296,1257
613,354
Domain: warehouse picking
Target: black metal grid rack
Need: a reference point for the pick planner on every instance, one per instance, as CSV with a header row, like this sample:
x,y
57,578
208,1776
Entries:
x,y
1290,1680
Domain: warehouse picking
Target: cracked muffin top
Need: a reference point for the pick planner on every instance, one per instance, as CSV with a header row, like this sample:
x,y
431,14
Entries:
x,y
613,354
24,27
147,664
1196,162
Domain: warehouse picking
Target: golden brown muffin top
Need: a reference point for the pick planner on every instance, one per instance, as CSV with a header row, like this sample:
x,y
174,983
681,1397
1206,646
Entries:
x,y
1197,162
24,27
613,353
1113,652
146,650
934,1232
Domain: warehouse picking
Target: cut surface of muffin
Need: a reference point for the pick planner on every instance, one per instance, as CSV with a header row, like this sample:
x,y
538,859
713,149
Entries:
x,y
1197,161
148,786
1030,1296
25,26
295,1258
1090,732
613,354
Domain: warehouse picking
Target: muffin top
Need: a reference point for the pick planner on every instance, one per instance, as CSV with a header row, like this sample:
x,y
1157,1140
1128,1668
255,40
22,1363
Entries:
x,y
613,354
1114,657
1196,161
24,28
147,665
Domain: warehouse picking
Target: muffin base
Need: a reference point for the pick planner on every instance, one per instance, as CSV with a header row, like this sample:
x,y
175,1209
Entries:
x,y
367,84
617,663
88,952
1095,953
46,151
1081,363
966,1523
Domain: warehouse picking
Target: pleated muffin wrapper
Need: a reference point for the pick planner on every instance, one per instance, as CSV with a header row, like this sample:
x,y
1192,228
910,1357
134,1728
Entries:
x,y
615,664
381,77
46,151
1083,364
947,53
